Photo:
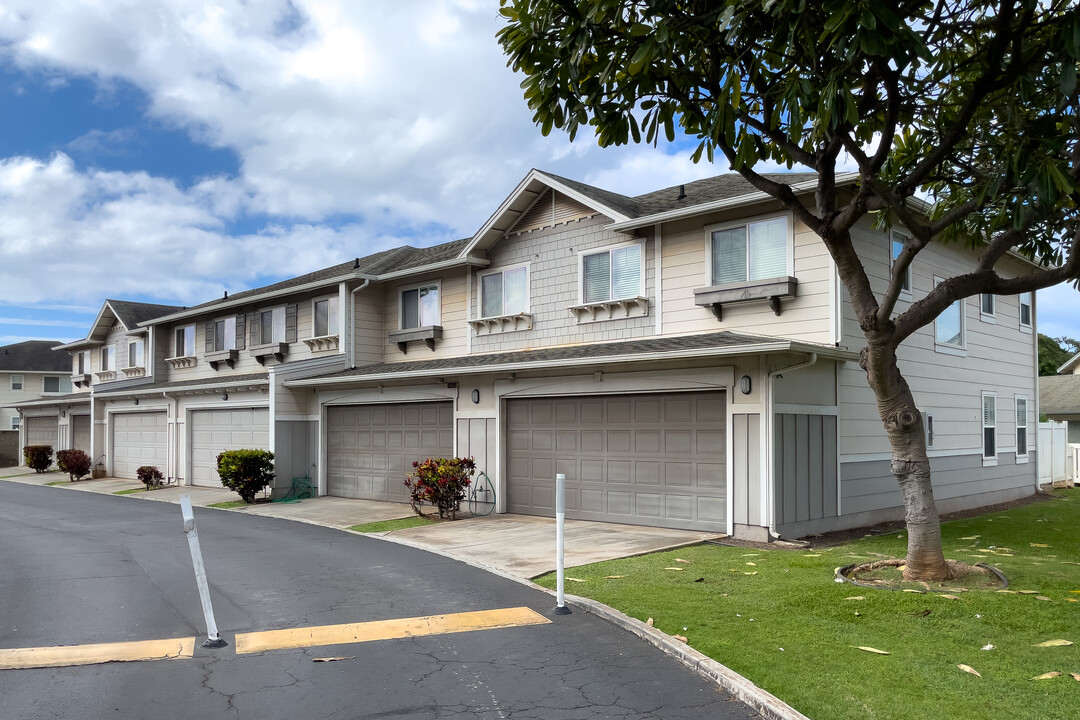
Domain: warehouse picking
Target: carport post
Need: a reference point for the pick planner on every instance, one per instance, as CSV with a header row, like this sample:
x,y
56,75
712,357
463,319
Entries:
x,y
560,521
213,640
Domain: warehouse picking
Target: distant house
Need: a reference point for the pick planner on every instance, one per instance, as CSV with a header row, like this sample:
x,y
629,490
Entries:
x,y
1059,397
28,371
688,358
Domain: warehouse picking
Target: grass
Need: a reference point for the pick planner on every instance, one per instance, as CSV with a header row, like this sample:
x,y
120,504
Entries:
x,y
388,525
793,631
129,491
229,505
58,482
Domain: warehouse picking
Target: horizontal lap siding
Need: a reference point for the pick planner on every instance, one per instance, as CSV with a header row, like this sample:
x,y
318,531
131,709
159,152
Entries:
x,y
452,318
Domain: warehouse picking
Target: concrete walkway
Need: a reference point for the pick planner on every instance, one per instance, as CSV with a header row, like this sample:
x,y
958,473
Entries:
x,y
521,546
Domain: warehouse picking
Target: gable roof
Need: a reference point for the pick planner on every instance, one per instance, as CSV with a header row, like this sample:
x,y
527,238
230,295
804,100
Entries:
x,y
1059,395
129,314
1071,365
34,355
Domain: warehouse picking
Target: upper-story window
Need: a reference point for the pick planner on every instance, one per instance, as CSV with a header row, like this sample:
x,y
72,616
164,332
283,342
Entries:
x,y
184,341
748,251
987,307
325,311
615,273
504,292
224,334
108,358
949,327
896,246
1025,311
16,382
53,384
82,362
420,306
135,354
272,325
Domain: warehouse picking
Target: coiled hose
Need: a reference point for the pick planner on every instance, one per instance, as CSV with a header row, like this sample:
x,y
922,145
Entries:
x,y
483,486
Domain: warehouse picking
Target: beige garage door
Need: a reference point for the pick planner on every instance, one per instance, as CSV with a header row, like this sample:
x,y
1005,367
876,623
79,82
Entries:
x,y
371,448
643,459
42,431
215,430
81,433
139,439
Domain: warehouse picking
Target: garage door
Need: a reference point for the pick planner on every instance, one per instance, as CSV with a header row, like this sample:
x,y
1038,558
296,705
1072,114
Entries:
x,y
215,430
371,448
641,459
41,431
81,432
138,439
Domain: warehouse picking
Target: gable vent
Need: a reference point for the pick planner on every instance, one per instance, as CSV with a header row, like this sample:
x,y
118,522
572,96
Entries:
x,y
550,209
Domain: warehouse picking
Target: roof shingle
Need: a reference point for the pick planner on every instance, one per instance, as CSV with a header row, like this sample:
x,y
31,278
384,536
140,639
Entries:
x,y
34,355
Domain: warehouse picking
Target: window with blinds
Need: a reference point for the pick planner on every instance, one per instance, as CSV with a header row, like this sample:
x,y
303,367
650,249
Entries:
x,y
504,292
896,247
989,426
754,251
614,274
1021,427
1025,310
949,326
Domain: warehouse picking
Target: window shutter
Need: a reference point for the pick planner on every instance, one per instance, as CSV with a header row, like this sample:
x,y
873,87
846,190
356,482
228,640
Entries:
x,y
254,329
209,327
597,277
290,323
241,334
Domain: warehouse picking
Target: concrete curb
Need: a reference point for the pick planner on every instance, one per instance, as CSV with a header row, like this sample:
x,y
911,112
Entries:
x,y
766,704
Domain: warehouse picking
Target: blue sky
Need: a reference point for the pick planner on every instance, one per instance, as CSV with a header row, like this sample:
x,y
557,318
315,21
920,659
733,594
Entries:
x,y
169,151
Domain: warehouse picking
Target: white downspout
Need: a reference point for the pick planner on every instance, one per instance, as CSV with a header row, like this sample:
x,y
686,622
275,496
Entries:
x,y
770,439
351,336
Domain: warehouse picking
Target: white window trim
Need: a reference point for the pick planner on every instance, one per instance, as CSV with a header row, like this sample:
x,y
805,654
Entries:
x,y
1025,327
746,222
1021,459
130,342
904,294
988,460
608,248
480,289
988,317
945,348
179,351
437,284
929,432
59,385
330,324
274,310
22,383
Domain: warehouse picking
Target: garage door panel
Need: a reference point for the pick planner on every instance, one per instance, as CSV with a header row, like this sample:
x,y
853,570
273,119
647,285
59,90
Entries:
x,y
223,429
385,442
655,459
138,439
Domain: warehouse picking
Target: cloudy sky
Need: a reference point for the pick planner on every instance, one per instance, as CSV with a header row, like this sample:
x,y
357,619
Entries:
x,y
167,151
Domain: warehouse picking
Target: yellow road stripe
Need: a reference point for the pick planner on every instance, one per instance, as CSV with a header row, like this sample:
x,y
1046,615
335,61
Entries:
x,y
65,655
386,629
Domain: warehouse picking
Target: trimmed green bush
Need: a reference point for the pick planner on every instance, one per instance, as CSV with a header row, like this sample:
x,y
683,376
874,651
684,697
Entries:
x,y
38,457
75,463
247,472
149,476
440,482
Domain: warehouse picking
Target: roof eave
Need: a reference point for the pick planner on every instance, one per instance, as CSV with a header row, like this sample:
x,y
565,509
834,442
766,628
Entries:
x,y
751,349
214,385
1069,365
432,267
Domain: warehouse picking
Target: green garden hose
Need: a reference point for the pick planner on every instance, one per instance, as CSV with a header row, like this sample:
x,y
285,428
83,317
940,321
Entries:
x,y
482,489
301,490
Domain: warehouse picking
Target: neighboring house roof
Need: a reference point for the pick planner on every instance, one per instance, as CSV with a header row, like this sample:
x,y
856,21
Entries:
x,y
1059,395
34,355
650,349
379,266
1071,365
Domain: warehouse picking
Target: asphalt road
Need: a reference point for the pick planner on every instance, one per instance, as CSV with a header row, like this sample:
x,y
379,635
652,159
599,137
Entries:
x,y
81,568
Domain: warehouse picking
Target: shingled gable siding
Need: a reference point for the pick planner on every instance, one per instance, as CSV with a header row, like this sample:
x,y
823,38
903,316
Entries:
x,y
550,208
554,287
804,317
999,358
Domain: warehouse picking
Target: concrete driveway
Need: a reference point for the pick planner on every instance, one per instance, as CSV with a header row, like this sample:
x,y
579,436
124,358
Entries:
x,y
521,546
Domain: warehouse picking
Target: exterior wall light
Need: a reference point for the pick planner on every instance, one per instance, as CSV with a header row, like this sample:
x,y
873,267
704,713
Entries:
x,y
744,384
475,396
224,396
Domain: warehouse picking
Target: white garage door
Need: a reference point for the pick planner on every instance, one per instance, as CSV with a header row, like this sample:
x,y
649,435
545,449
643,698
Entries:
x,y
215,430
640,459
41,431
371,448
139,439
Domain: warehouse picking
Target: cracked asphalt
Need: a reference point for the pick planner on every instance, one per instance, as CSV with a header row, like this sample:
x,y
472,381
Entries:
x,y
82,568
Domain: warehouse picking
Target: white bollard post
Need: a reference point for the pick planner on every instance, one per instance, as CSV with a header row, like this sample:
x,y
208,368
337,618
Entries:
x,y
560,521
213,640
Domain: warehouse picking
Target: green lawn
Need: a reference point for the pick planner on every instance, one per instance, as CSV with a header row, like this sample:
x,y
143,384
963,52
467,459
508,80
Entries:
x,y
779,618
388,525
229,505
129,491
58,482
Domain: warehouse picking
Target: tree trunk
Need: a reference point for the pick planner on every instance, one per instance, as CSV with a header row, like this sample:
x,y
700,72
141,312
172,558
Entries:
x,y
910,464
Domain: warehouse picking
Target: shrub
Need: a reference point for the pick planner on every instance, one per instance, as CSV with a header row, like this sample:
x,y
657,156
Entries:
x,y
75,463
149,476
38,457
246,471
440,482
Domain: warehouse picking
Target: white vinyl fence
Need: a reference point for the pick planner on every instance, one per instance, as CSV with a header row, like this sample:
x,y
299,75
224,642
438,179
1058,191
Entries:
x,y
1059,462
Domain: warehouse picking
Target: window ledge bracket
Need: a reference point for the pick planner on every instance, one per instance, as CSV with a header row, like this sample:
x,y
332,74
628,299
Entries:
x,y
589,310
714,298
222,357
502,323
80,379
323,342
106,375
134,372
185,361
262,353
428,334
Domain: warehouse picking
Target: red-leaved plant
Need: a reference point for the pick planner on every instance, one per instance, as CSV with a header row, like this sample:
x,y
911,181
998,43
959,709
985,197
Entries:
x,y
440,482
